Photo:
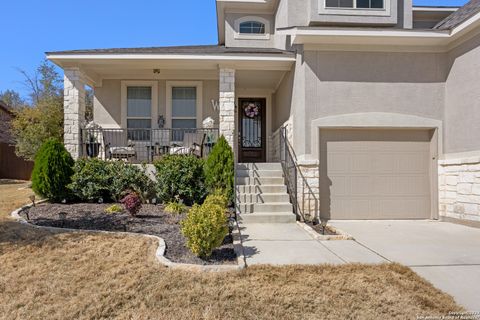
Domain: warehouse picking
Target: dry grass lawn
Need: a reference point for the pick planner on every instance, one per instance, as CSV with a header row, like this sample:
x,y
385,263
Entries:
x,y
45,275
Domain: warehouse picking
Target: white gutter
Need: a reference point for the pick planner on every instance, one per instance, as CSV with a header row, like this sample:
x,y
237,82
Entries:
x,y
182,57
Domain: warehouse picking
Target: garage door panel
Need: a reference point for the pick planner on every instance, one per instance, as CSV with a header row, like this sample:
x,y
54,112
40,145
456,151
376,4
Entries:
x,y
375,174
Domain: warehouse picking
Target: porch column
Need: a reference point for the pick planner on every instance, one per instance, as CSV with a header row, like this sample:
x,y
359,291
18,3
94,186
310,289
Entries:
x,y
227,105
74,110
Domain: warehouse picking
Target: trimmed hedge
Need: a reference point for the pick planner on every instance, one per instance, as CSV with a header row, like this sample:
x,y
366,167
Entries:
x,y
52,171
182,176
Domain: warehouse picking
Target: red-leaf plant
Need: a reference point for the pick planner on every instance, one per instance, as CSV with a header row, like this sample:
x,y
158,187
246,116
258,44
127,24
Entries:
x,y
132,203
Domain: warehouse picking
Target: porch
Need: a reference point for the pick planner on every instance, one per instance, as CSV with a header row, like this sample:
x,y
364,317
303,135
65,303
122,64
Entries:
x,y
149,102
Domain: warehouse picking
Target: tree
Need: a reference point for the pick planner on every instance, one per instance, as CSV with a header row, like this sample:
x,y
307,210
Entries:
x,y
13,99
219,168
34,125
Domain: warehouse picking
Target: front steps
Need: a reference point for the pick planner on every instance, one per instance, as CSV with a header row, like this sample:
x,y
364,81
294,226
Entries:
x,y
261,194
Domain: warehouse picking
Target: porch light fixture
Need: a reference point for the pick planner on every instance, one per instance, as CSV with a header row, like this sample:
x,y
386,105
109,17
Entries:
x,y
156,71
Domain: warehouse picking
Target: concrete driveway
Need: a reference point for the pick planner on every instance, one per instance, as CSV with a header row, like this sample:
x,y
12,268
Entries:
x,y
446,254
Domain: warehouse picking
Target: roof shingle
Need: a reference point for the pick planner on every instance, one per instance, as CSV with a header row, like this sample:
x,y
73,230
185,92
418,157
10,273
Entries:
x,y
459,16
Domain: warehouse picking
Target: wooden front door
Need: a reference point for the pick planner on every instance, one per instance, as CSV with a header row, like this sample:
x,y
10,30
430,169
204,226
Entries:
x,y
252,138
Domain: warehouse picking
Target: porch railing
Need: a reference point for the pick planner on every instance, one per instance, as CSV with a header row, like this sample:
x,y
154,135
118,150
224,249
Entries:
x,y
146,145
305,201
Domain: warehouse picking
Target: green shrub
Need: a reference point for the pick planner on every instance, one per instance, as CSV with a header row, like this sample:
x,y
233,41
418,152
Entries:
x,y
129,177
92,180
175,207
218,198
205,227
52,171
96,179
115,208
180,175
219,168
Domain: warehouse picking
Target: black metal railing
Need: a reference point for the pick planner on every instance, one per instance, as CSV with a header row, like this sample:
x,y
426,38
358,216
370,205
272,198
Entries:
x,y
146,145
305,201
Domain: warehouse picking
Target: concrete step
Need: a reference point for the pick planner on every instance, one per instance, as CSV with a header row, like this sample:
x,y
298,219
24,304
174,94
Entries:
x,y
259,166
260,181
267,217
264,207
261,189
259,173
262,197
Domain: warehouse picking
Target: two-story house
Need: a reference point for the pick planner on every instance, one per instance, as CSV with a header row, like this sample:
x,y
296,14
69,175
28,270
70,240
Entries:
x,y
379,98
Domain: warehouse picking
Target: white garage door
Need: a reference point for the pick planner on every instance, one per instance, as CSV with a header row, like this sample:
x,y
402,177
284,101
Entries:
x,y
375,174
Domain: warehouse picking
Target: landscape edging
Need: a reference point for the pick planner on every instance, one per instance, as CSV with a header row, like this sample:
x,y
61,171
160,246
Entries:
x,y
160,252
341,235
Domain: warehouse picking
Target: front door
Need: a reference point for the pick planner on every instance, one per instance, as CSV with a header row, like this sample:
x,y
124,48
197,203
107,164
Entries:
x,y
251,117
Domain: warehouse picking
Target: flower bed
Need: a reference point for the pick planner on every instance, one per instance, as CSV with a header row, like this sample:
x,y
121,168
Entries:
x,y
151,220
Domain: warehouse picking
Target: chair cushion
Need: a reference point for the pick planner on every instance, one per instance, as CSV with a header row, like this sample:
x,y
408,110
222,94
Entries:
x,y
126,151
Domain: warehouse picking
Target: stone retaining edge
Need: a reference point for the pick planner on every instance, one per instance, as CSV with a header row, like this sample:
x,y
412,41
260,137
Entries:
x,y
341,235
160,252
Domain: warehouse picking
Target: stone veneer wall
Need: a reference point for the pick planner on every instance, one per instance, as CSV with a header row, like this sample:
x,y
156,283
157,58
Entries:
x,y
74,110
459,188
227,105
308,189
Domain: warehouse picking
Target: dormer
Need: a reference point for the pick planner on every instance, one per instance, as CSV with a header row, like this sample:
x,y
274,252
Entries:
x,y
246,23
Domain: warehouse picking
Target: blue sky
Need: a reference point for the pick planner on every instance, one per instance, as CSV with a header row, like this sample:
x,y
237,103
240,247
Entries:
x,y
31,27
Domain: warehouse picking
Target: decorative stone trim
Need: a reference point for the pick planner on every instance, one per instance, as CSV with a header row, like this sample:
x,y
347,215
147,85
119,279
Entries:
x,y
340,235
308,189
459,188
160,252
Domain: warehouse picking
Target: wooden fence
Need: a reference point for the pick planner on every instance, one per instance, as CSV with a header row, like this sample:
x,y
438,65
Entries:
x,y
13,167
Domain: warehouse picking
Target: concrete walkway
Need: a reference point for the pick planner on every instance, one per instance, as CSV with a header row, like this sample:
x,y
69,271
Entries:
x,y
448,255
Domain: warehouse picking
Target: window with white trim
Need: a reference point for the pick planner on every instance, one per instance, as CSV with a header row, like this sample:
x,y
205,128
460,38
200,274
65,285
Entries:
x,y
139,107
355,4
252,27
184,107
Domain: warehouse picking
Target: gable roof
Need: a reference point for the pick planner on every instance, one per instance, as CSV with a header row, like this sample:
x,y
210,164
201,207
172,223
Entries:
x,y
187,50
459,16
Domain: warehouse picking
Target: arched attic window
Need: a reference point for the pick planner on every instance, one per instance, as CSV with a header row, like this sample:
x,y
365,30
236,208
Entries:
x,y
252,27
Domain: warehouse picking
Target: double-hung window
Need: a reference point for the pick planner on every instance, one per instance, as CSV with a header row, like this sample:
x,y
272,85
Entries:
x,y
139,112
184,107
355,4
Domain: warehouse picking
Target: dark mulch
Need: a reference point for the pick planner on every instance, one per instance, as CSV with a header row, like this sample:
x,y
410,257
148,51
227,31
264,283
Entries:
x,y
319,229
150,220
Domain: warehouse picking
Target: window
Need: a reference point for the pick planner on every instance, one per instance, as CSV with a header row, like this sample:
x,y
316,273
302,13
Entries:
x,y
184,107
252,27
355,4
139,112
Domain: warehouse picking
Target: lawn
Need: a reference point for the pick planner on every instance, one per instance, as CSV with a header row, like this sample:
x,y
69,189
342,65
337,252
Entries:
x,y
46,275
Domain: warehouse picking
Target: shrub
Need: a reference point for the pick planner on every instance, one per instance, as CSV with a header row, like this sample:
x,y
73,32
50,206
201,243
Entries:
x,y
219,168
219,198
92,180
129,177
52,171
175,207
205,227
132,203
180,175
115,208
97,179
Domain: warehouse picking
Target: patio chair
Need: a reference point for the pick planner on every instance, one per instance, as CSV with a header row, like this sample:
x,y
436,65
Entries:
x,y
117,145
192,144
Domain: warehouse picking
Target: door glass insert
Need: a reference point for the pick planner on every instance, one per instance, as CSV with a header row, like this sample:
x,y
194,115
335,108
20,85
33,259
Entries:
x,y
251,124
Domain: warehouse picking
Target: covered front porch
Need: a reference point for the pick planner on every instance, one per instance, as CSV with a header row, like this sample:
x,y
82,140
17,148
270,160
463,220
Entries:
x,y
156,101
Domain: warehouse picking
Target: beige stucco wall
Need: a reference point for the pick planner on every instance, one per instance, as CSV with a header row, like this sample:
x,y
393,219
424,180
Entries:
x,y
358,82
462,99
107,102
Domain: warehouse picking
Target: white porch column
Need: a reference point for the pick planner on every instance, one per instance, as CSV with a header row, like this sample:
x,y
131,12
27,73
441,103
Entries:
x,y
74,110
227,105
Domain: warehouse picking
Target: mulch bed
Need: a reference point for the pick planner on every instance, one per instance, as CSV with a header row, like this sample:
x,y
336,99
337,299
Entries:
x,y
151,220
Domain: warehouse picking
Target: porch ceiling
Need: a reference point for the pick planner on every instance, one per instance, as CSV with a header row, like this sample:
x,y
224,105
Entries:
x,y
262,73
